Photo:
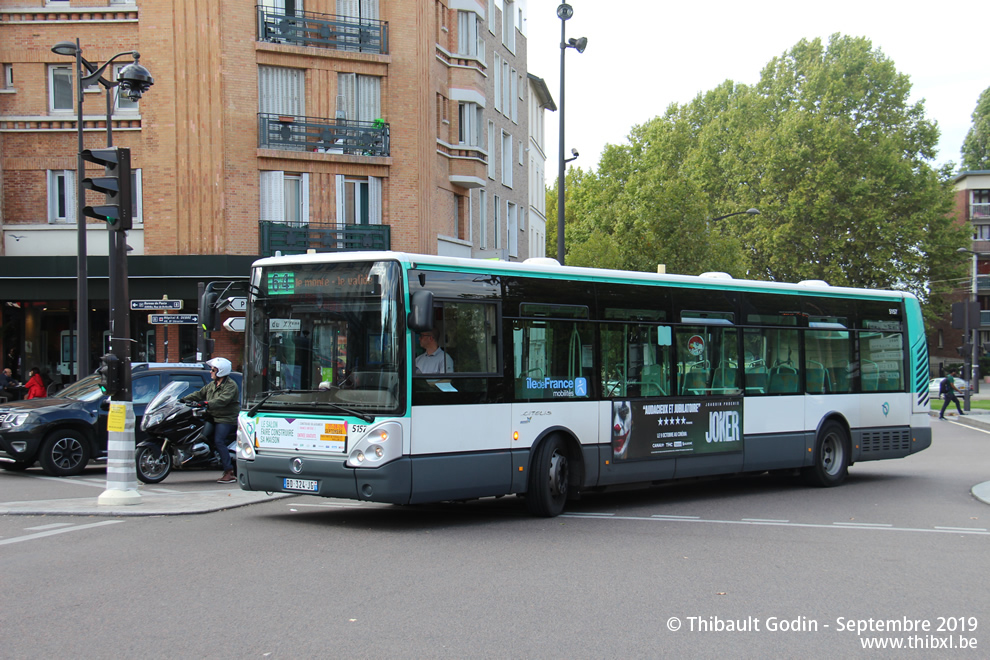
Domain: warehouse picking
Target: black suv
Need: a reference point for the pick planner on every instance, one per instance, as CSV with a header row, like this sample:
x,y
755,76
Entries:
x,y
64,431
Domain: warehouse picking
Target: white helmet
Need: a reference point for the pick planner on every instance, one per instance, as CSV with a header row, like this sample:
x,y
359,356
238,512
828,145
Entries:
x,y
222,365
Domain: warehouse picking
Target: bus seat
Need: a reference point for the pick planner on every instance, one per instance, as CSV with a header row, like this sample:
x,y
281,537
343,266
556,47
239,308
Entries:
x,y
783,380
815,380
695,381
725,379
756,380
653,381
839,379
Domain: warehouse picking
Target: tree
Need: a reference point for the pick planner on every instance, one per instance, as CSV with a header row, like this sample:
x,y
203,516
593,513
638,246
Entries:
x,y
976,146
826,145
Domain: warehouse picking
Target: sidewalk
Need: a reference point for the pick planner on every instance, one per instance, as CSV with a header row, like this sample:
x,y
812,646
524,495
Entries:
x,y
152,504
977,419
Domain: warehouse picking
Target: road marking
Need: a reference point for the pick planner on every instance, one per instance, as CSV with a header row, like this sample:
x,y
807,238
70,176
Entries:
x,y
884,527
661,515
52,526
52,532
765,520
335,505
962,529
78,482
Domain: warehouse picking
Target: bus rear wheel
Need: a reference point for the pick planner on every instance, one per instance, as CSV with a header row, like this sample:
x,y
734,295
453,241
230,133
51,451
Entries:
x,y
831,457
549,478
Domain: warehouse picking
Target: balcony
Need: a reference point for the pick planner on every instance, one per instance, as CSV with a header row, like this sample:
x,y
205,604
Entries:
x,y
306,28
321,237
331,136
979,211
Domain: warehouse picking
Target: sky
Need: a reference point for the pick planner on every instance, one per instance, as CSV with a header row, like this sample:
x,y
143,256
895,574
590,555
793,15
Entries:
x,y
643,55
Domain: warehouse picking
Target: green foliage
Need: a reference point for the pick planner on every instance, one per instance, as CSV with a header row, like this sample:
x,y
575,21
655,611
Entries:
x,y
976,146
826,145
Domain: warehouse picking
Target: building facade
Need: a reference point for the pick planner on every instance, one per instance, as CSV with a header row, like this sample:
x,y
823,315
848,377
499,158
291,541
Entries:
x,y
273,127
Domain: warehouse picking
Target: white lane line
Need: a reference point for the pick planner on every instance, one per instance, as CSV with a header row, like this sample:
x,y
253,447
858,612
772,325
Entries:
x,y
665,516
78,482
327,506
962,529
855,524
862,526
765,520
52,526
52,532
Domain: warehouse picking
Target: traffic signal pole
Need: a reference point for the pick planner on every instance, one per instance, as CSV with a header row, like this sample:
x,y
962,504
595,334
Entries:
x,y
121,475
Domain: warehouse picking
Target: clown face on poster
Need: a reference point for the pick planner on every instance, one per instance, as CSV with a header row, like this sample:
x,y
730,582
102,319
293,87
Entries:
x,y
676,427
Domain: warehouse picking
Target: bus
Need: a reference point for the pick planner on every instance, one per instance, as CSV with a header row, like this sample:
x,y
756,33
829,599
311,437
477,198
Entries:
x,y
560,380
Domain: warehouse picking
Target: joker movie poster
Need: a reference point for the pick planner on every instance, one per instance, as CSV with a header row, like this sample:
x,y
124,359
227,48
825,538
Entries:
x,y
680,427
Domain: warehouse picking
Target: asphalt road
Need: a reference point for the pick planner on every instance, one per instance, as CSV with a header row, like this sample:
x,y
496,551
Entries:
x,y
659,573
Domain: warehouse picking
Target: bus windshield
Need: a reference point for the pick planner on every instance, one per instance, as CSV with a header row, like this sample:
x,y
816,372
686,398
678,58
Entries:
x,y
326,338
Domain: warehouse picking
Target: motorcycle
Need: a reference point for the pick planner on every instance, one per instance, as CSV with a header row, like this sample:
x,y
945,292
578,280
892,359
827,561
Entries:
x,y
180,436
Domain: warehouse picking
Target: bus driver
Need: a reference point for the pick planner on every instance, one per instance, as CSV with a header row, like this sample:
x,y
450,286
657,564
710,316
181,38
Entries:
x,y
434,360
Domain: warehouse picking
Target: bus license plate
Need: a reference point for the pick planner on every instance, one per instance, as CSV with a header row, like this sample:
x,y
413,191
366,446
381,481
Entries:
x,y
300,484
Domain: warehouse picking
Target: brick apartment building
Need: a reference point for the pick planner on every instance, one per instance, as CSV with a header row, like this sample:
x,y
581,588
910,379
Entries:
x,y
972,206
273,126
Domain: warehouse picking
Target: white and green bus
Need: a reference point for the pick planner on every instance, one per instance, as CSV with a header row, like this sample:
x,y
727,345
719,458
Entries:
x,y
559,380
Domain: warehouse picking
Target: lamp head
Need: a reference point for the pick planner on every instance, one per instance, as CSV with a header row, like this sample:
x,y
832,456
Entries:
x,y
578,44
67,48
574,152
565,11
753,212
134,79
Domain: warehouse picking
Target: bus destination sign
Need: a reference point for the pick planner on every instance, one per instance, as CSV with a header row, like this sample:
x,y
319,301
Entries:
x,y
651,429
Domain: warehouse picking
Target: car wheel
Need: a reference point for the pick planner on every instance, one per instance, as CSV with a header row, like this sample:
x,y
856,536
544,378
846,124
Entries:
x,y
64,453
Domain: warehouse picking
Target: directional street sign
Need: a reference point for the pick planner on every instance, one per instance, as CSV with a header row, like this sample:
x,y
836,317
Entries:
x,y
234,324
173,319
237,304
156,304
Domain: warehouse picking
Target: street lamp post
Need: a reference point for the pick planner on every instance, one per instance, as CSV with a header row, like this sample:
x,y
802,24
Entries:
x,y
564,12
974,332
133,80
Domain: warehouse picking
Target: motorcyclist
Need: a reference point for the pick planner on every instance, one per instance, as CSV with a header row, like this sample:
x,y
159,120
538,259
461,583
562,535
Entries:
x,y
222,404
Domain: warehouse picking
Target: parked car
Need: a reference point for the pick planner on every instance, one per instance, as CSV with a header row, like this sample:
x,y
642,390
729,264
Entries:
x,y
65,431
934,387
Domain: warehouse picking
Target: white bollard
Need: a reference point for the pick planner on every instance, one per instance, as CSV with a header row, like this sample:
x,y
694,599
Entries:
x,y
121,472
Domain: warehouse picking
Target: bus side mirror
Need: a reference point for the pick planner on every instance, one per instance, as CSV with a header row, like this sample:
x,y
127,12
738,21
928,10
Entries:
x,y
421,311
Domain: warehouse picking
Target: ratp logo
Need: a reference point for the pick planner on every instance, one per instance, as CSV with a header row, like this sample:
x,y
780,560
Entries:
x,y
885,408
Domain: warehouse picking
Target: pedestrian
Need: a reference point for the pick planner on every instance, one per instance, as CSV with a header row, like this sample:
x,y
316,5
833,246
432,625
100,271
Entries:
x,y
222,404
35,386
949,390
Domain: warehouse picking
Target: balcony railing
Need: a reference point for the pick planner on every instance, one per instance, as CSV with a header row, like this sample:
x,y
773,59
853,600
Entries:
x,y
332,136
982,282
306,28
979,211
323,237
984,318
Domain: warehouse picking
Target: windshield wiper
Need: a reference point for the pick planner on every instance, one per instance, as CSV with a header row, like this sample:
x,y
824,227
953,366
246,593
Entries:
x,y
253,410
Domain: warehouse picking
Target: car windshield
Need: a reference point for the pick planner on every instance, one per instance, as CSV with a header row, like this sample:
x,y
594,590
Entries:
x,y
87,389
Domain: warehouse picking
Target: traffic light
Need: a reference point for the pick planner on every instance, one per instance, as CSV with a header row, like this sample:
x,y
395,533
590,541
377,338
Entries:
x,y
109,374
208,314
966,350
115,184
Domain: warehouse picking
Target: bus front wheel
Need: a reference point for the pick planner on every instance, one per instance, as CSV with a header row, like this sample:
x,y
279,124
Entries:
x,y
831,457
548,479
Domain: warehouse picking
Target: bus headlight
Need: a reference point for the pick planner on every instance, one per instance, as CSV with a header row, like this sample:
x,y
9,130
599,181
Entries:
x,y
245,442
381,444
